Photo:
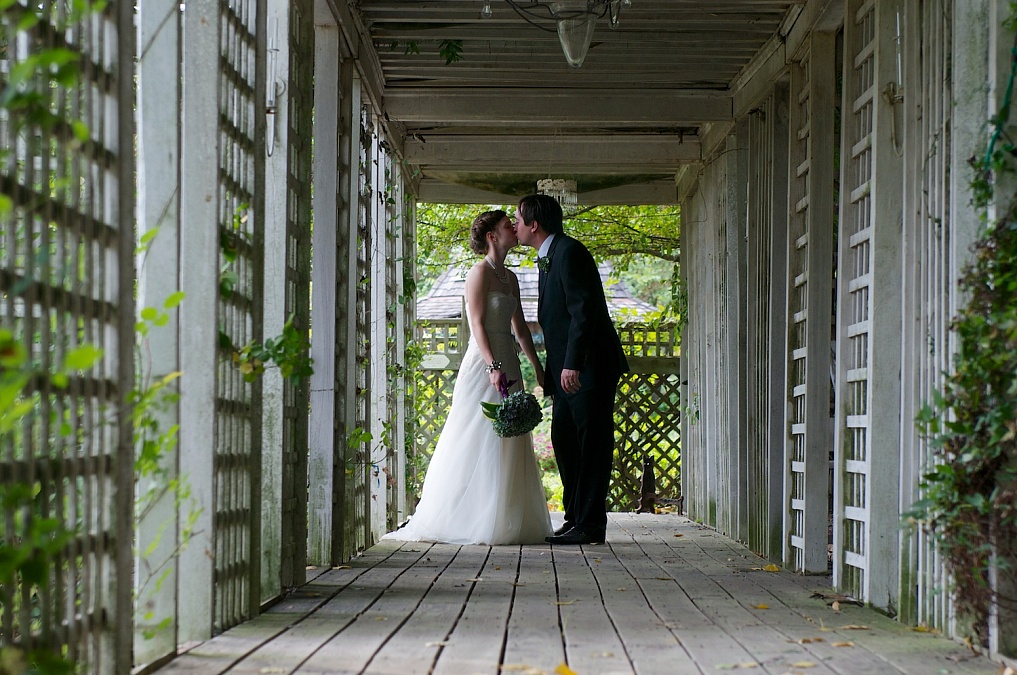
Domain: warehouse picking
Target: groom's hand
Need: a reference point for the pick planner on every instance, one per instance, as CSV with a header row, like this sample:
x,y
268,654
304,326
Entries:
x,y
570,381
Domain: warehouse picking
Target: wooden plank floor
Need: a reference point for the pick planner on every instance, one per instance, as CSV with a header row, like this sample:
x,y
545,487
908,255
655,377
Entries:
x,y
664,595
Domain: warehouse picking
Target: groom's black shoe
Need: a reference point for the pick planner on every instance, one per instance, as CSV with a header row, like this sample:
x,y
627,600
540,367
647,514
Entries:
x,y
564,528
576,537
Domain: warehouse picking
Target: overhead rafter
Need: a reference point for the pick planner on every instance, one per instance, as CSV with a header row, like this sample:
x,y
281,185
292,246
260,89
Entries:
x,y
590,154
576,107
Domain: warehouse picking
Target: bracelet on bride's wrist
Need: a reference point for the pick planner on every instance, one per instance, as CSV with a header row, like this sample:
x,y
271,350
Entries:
x,y
493,366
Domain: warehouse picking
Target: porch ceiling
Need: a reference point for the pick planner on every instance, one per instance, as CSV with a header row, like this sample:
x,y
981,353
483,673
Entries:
x,y
511,111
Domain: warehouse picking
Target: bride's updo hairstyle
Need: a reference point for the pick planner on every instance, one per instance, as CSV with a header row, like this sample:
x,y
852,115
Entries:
x,y
484,223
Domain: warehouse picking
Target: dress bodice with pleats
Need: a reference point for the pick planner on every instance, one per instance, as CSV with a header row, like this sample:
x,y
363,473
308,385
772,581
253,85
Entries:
x,y
480,488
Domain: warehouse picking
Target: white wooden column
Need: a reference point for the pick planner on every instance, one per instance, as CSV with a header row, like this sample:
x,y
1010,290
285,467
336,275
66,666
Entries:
x,y
379,338
405,315
736,168
273,298
867,428
199,206
159,25
323,435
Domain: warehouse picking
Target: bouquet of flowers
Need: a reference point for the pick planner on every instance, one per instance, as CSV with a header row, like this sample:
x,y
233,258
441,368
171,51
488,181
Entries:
x,y
516,415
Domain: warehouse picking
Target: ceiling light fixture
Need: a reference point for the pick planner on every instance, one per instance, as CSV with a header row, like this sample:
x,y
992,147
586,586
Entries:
x,y
574,20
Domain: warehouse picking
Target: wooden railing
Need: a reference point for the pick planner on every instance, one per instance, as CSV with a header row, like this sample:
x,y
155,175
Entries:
x,y
647,408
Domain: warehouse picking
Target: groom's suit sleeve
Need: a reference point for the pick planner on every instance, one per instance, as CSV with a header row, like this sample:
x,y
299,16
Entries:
x,y
581,280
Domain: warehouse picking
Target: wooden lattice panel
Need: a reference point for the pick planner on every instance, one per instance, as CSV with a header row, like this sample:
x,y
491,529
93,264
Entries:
x,y
237,444
298,257
358,453
854,302
810,257
66,265
647,424
646,411
929,278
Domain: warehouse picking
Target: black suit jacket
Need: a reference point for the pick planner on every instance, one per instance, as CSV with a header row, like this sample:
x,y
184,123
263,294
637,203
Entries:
x,y
572,311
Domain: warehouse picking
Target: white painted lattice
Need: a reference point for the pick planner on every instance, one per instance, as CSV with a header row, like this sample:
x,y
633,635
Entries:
x,y
929,279
66,257
809,443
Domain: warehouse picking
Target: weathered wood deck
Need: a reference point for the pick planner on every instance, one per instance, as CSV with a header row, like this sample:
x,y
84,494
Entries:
x,y
664,595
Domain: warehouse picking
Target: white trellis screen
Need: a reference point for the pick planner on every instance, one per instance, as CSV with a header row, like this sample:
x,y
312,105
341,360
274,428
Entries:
x,y
296,394
867,428
766,264
66,261
240,199
809,443
930,280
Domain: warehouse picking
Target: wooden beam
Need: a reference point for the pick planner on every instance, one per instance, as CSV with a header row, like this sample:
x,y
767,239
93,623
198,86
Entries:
x,y
588,153
619,107
651,192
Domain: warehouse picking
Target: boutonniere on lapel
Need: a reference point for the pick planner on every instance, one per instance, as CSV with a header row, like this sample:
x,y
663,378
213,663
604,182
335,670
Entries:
x,y
543,263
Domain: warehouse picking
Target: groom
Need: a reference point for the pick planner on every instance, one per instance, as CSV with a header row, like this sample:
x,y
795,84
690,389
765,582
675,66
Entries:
x,y
583,364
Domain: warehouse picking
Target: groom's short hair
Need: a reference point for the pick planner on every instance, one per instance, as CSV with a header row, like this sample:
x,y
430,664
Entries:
x,y
544,209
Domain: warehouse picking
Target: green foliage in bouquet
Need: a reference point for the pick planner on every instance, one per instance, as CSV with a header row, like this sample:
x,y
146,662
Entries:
x,y
518,414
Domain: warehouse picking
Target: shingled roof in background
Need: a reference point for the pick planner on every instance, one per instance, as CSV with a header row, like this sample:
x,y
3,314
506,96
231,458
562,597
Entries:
x,y
445,299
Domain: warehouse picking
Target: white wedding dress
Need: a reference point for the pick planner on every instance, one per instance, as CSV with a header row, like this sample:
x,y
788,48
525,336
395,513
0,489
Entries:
x,y
480,488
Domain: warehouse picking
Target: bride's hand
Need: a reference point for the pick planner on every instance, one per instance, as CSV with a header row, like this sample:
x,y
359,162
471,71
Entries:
x,y
494,376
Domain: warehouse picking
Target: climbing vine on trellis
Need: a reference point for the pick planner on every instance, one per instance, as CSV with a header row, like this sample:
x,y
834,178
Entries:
x,y
970,494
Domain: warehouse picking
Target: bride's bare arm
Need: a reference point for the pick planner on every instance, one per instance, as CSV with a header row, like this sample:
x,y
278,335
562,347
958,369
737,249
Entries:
x,y
476,290
522,332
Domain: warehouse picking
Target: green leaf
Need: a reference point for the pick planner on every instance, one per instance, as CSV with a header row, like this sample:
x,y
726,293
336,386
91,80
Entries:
x,y
149,313
174,299
82,358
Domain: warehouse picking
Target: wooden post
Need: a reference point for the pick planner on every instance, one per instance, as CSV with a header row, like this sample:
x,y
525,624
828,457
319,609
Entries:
x,y
199,216
323,436
159,270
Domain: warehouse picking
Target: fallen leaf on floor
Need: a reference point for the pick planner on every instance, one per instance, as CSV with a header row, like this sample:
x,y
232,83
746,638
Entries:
x,y
476,579
274,670
596,560
621,589
835,606
737,666
381,618
771,568
803,664
808,641
563,669
436,644
342,567
517,584
605,655
565,602
1009,671
843,644
497,567
760,606
679,534
853,626
921,628
663,579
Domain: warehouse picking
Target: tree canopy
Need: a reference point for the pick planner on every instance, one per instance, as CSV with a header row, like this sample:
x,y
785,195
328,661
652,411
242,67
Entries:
x,y
640,242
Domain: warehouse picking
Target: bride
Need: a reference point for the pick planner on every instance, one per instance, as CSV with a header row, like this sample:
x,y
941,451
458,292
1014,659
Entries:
x,y
480,488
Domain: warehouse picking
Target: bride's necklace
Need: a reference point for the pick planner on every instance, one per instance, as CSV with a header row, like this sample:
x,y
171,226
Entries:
x,y
502,275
